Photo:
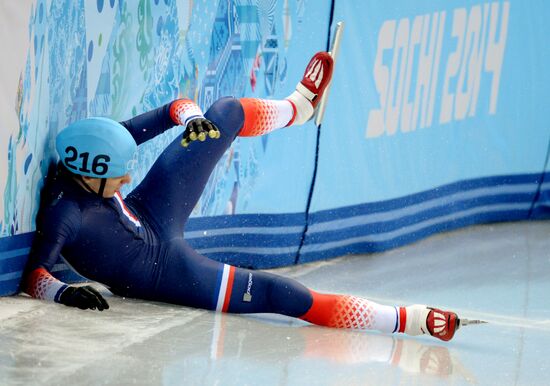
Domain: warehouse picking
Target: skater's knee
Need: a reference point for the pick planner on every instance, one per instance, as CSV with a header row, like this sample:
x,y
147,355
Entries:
x,y
288,297
227,114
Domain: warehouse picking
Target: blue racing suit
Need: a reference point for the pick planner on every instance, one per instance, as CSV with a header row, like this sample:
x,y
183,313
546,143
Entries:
x,y
135,246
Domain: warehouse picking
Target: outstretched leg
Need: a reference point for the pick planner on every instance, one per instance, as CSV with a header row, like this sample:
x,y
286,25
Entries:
x,y
191,279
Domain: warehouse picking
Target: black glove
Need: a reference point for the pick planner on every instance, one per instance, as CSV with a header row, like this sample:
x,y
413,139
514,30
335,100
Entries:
x,y
197,129
84,298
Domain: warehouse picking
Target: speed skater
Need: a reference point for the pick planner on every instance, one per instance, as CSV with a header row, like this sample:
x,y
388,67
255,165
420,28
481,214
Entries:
x,y
135,245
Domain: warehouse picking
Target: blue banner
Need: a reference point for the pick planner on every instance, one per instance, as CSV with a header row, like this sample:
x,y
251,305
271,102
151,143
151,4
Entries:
x,y
429,93
434,121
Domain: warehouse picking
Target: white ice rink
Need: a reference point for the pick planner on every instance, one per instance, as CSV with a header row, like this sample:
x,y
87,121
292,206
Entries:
x,y
500,273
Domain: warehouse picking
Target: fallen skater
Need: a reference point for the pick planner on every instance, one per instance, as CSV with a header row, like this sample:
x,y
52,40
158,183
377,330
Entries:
x,y
135,245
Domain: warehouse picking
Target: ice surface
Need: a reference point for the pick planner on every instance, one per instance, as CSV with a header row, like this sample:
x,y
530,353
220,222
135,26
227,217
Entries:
x,y
500,273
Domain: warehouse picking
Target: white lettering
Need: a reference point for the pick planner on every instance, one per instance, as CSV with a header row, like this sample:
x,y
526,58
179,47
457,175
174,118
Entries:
x,y
477,61
453,65
464,89
435,71
396,80
495,50
375,124
416,35
425,63
406,67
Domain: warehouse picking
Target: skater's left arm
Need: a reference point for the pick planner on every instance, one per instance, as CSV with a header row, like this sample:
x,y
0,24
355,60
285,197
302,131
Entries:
x,y
183,112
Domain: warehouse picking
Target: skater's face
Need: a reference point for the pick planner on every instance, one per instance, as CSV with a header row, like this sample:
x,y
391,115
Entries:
x,y
112,185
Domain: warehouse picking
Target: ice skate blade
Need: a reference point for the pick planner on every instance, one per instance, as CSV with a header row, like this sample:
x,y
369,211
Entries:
x,y
319,113
468,322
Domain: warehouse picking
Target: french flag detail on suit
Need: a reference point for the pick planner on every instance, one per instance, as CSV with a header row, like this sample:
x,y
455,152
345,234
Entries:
x,y
133,219
225,280
402,320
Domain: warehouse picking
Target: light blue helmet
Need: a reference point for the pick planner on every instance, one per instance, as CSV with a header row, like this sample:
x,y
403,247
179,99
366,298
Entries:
x,y
97,147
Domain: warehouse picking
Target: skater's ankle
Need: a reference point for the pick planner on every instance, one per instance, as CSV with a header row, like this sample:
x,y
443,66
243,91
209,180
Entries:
x,y
303,110
416,319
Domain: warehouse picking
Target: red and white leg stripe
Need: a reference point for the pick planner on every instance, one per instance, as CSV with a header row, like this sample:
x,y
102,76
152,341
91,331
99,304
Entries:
x,y
402,319
262,116
224,296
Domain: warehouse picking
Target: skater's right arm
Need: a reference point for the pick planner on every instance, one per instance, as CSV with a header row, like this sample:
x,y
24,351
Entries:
x,y
58,224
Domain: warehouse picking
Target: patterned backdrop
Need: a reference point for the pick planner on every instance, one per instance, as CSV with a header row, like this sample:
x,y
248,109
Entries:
x,y
120,58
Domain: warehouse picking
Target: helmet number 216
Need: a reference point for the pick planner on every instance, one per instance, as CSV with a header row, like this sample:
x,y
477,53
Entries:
x,y
99,163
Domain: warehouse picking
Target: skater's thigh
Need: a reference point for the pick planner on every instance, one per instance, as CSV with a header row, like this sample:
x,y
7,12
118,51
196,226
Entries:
x,y
188,278
175,182
194,280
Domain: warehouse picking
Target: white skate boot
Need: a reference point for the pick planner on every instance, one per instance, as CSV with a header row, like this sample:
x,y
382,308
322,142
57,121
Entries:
x,y
426,320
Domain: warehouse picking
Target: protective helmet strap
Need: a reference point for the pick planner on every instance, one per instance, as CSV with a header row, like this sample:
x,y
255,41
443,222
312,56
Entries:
x,y
88,188
101,186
